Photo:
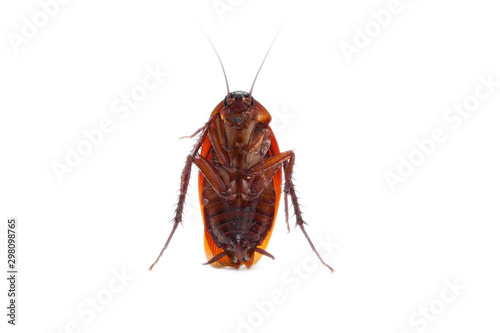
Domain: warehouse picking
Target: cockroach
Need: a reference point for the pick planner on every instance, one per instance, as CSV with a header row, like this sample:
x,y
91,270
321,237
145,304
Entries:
x,y
239,181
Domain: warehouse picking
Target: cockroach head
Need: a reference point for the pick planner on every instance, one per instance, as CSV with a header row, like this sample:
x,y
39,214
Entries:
x,y
237,106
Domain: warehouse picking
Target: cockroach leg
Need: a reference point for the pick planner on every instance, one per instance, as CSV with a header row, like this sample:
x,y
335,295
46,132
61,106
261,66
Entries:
x,y
258,143
290,190
213,176
272,162
186,174
261,143
219,150
219,125
285,167
262,182
287,159
214,139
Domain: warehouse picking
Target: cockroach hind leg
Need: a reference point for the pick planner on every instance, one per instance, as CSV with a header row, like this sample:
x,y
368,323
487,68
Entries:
x,y
287,218
165,246
301,225
286,193
290,189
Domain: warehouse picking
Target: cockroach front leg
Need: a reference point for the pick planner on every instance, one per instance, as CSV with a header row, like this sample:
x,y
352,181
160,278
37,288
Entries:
x,y
287,160
186,174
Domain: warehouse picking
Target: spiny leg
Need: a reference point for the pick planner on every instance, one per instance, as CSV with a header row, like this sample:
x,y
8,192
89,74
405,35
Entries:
x,y
287,159
261,143
285,167
281,159
186,174
290,190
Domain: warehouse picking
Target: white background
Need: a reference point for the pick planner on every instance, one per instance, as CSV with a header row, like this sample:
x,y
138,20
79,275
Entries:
x,y
347,122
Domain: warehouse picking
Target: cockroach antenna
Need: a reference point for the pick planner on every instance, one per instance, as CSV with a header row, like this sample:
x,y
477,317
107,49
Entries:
x,y
217,53
270,46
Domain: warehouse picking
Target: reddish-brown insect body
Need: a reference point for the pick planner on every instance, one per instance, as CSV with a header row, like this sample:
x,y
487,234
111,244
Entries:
x,y
239,199
240,177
